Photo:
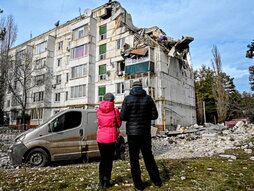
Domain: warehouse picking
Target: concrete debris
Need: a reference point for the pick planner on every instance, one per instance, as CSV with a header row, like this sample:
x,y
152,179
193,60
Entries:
x,y
252,158
249,151
228,156
202,141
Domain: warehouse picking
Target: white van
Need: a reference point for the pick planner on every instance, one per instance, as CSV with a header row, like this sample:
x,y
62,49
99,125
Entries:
x,y
68,135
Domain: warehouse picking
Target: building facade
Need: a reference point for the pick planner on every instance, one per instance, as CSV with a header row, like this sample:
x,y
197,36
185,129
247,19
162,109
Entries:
x,y
76,63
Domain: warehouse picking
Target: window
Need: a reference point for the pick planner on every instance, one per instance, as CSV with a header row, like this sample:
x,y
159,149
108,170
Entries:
x,y
139,68
120,43
102,72
37,113
38,96
78,91
20,55
78,71
58,79
102,51
80,51
41,63
60,45
80,32
66,121
67,77
57,96
41,47
101,92
120,68
67,60
120,88
39,80
103,32
59,62
66,95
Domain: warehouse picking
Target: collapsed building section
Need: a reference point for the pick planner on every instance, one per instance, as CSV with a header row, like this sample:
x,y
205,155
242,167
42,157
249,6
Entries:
x,y
102,51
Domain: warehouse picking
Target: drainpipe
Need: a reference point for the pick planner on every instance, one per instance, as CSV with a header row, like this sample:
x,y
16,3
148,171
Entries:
x,y
164,115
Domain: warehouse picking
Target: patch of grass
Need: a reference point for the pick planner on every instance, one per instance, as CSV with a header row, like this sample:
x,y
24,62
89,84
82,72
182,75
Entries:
x,y
210,174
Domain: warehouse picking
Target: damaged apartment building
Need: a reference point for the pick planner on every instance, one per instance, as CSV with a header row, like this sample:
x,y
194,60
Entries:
x,y
101,51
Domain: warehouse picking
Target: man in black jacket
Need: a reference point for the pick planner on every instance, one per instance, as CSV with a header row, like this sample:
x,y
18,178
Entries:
x,y
138,109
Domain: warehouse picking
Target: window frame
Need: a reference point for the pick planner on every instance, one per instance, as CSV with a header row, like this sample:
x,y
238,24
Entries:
x,y
78,91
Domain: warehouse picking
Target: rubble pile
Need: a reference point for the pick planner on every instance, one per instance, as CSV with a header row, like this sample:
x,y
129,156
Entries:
x,y
7,137
202,141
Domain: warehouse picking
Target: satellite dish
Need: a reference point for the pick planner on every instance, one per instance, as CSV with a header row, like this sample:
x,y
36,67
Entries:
x,y
57,23
87,12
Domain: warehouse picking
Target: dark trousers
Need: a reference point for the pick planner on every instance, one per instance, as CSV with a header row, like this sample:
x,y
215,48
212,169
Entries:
x,y
107,155
143,143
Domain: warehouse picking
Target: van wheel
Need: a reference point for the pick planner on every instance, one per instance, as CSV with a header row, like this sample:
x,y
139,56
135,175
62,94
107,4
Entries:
x,y
37,158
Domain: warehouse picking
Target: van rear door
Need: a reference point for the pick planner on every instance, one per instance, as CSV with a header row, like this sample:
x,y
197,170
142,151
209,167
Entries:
x,y
65,137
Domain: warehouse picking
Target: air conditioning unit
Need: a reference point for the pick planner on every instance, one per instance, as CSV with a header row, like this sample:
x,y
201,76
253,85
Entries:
x,y
68,49
102,56
102,77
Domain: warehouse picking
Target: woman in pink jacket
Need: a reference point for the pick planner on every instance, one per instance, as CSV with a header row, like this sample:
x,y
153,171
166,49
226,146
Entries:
x,y
108,123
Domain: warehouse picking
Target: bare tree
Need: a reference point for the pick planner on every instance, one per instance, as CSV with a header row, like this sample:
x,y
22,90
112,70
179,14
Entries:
x,y
220,94
8,30
19,80
25,83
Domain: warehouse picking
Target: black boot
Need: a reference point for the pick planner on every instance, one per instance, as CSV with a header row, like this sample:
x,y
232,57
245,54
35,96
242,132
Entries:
x,y
108,183
102,182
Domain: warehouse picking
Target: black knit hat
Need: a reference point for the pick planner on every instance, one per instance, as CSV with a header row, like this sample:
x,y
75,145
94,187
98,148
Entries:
x,y
109,97
137,84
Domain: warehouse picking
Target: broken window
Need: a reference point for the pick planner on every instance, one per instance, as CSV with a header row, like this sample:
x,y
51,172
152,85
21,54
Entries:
x,y
120,88
120,43
101,92
78,91
102,51
103,32
102,72
139,68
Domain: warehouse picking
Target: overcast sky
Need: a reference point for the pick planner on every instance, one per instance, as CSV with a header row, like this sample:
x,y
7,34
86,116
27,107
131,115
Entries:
x,y
228,24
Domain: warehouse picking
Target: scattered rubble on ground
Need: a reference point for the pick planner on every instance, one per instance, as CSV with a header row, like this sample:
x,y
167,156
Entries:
x,y
202,141
186,142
